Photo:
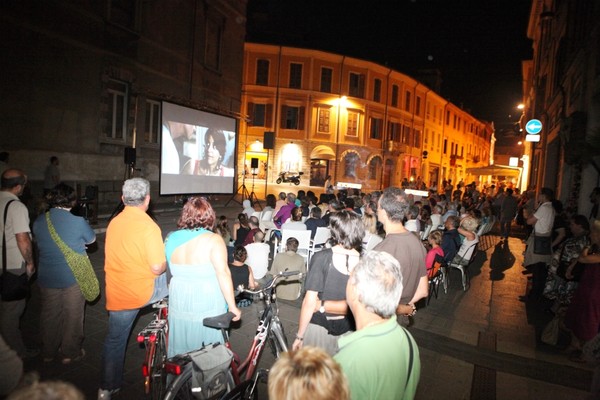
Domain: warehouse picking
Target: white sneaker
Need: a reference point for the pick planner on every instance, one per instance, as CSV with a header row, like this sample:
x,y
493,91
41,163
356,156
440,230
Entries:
x,y
106,394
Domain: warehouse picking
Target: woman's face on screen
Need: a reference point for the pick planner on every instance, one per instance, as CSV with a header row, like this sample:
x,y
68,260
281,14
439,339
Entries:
x,y
212,152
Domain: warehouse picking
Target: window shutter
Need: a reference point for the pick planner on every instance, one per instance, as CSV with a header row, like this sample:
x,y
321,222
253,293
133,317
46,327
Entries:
x,y
361,86
269,116
283,117
301,118
251,114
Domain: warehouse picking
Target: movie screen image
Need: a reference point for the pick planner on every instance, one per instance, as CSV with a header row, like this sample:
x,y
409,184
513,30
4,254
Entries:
x,y
198,151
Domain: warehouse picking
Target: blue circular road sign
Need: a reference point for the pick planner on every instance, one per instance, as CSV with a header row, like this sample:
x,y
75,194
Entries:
x,y
533,126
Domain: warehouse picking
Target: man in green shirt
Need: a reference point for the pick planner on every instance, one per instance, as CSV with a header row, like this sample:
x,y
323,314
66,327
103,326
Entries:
x,y
381,359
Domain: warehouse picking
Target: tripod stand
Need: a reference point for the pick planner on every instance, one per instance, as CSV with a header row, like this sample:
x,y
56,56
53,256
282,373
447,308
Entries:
x,y
252,197
245,194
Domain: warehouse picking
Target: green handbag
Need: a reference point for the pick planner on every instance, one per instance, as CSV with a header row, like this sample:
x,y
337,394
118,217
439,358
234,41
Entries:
x,y
80,265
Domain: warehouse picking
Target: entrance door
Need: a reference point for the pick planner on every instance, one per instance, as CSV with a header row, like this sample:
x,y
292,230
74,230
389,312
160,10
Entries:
x,y
319,169
387,173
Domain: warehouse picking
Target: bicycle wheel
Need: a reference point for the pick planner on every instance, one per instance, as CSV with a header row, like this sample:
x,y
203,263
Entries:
x,y
244,391
158,376
181,387
277,338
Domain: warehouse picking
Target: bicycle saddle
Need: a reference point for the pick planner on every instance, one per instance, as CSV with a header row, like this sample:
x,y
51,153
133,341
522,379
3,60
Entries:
x,y
220,321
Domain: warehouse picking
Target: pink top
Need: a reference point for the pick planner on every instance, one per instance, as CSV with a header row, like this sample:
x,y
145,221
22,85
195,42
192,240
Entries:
x,y
431,256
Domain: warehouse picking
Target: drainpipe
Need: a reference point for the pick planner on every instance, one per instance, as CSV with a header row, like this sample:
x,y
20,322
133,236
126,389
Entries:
x,y
423,137
337,131
192,50
442,144
276,116
412,122
385,137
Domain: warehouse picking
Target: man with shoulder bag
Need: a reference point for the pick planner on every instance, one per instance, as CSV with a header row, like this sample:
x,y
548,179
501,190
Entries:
x,y
17,259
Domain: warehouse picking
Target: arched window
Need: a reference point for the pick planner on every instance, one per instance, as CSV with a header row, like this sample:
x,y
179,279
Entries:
x,y
374,167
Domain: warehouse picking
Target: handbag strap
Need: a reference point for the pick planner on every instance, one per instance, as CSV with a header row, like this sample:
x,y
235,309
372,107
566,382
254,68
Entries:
x,y
4,236
63,247
410,359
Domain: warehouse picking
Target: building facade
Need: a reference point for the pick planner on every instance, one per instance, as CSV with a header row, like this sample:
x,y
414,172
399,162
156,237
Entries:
x,y
562,90
85,80
353,120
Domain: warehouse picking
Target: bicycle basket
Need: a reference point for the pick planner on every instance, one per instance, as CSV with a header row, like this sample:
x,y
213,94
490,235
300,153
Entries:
x,y
210,366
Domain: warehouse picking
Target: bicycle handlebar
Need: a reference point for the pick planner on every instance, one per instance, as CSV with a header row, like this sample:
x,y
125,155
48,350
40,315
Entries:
x,y
270,285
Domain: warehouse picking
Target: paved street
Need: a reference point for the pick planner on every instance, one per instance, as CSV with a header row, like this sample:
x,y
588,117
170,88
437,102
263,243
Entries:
x,y
475,344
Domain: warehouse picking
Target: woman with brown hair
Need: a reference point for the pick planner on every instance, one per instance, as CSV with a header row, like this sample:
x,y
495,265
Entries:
x,y
201,285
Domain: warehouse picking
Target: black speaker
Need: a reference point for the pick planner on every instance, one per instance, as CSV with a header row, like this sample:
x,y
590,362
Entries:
x,y
129,155
254,163
269,141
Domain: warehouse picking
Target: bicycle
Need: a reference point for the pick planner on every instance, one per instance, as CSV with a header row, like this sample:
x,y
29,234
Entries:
x,y
269,329
155,339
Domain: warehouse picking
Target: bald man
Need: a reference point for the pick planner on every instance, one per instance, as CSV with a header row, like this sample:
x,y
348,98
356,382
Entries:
x,y
19,254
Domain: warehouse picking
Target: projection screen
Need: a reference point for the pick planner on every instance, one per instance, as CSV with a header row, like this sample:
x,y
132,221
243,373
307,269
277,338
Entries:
x,y
198,151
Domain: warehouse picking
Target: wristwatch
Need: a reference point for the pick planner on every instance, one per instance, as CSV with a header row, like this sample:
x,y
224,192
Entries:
x,y
322,308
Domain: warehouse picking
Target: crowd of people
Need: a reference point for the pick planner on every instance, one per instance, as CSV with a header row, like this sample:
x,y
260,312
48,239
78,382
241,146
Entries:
x,y
359,293
562,257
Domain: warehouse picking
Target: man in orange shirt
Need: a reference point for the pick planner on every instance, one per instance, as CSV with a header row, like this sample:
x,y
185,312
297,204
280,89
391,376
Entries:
x,y
134,265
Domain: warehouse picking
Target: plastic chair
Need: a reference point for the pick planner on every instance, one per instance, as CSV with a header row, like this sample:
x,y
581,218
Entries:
x,y
303,238
426,231
436,276
373,241
322,235
461,262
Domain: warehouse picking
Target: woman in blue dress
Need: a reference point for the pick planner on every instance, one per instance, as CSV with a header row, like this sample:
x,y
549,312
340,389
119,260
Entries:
x,y
201,285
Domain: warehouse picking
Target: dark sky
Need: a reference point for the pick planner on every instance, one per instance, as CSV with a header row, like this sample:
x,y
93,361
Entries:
x,y
477,45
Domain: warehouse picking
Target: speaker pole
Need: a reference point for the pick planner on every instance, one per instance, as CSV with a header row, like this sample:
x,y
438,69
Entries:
x,y
268,144
254,169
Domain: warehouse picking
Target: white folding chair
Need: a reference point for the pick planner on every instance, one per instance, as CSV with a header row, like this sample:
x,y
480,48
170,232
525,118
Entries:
x,y
371,242
303,238
322,235
461,263
425,232
266,215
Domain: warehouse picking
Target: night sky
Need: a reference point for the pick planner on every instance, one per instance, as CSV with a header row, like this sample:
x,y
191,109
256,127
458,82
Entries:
x,y
478,45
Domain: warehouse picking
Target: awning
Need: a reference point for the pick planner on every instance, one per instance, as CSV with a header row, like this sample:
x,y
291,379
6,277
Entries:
x,y
495,170
322,153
